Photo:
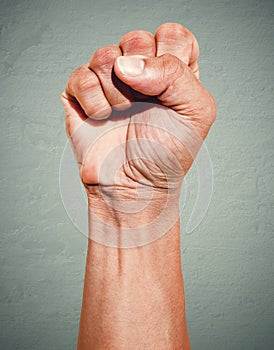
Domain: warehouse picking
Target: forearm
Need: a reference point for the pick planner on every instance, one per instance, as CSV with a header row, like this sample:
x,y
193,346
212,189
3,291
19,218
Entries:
x,y
133,294
134,298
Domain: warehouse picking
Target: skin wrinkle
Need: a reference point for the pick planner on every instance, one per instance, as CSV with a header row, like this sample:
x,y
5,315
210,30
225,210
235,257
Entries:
x,y
103,58
129,291
140,42
166,94
117,93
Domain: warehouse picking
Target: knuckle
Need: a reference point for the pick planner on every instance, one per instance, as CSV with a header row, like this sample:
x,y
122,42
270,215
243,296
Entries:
x,y
136,39
76,72
172,65
104,57
86,82
73,78
172,32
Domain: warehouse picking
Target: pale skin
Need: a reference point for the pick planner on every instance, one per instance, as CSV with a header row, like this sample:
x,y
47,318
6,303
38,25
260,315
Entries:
x,y
134,297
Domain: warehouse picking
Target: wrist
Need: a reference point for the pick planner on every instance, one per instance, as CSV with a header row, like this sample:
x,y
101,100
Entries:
x,y
131,217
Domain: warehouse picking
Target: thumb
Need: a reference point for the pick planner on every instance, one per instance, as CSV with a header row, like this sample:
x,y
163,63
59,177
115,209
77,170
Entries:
x,y
168,78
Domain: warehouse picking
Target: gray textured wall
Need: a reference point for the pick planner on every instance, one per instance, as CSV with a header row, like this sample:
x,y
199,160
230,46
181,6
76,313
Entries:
x,y
228,260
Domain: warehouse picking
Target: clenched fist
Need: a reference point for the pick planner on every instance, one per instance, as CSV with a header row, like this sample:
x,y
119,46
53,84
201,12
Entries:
x,y
136,116
118,141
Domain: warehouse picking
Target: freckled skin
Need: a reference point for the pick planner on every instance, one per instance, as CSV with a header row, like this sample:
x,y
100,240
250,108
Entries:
x,y
134,298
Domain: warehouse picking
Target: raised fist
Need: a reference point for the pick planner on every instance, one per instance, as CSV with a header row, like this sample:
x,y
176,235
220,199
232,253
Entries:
x,y
136,116
137,113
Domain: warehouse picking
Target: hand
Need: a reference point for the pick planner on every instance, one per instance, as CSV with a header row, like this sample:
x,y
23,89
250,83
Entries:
x,y
122,146
116,145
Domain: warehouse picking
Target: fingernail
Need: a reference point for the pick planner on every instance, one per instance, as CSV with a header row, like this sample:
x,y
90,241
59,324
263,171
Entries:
x,y
132,66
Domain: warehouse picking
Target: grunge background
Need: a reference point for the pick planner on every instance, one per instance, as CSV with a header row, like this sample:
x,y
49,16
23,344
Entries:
x,y
228,260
